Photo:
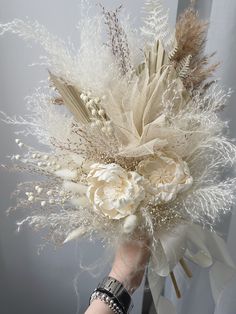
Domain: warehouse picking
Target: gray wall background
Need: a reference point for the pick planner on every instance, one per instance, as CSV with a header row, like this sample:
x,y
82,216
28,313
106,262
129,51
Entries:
x,y
32,283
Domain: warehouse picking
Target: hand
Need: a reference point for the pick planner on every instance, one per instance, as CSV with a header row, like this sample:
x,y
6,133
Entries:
x,y
129,263
128,268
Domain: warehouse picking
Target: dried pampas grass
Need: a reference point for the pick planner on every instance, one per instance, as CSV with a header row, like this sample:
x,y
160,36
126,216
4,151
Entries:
x,y
191,34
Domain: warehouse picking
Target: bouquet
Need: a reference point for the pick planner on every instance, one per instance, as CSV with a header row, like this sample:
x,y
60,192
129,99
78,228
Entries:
x,y
133,140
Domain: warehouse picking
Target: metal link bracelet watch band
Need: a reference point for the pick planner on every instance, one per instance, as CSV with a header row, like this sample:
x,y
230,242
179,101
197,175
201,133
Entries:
x,y
115,289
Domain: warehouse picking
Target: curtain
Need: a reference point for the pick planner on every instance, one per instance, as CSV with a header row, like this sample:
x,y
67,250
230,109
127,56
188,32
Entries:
x,y
197,296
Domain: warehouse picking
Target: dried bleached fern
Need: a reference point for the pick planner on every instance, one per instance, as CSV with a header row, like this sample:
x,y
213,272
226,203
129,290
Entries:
x,y
156,24
183,67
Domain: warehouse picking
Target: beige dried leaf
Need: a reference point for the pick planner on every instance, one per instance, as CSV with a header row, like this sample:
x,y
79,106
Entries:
x,y
155,58
71,98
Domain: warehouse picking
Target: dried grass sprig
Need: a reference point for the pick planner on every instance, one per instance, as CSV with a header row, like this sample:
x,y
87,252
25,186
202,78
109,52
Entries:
x,y
118,40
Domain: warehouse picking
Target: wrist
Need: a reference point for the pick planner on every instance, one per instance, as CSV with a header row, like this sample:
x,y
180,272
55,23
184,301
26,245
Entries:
x,y
114,294
131,282
98,307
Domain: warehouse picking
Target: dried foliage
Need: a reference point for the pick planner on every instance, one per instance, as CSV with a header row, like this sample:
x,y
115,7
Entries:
x,y
191,34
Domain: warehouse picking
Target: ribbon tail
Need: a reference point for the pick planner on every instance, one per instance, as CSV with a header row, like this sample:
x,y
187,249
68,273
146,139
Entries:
x,y
156,285
203,247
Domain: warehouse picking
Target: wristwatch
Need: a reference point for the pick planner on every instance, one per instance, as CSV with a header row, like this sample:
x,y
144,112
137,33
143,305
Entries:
x,y
116,290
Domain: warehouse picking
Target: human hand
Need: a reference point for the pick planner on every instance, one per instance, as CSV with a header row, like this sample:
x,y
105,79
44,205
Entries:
x,y
129,263
128,268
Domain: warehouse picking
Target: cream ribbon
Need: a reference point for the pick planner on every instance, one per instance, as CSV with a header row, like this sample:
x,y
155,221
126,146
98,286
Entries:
x,y
201,246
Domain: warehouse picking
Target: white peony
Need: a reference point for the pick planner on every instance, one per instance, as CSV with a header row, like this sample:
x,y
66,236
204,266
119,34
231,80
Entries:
x,y
168,175
113,191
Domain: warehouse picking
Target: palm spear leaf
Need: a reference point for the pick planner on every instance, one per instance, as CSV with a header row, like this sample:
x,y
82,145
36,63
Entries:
x,y
156,57
71,98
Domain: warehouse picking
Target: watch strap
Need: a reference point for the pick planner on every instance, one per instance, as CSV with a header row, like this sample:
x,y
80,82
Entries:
x,y
115,289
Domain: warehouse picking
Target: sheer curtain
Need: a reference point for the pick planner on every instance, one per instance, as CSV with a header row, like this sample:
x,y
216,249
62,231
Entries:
x,y
197,297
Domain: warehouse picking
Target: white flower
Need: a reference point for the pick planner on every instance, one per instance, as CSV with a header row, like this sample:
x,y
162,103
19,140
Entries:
x,y
168,175
113,191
